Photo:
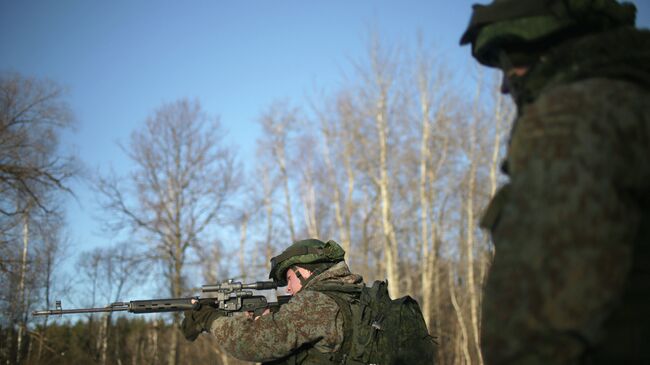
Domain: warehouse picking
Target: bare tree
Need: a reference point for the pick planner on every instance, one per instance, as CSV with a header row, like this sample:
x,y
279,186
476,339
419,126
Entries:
x,y
32,117
33,114
268,210
308,179
278,124
111,272
50,256
434,101
378,96
337,122
27,280
182,184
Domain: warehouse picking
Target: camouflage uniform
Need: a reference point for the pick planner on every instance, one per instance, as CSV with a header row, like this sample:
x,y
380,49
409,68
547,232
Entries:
x,y
570,282
310,322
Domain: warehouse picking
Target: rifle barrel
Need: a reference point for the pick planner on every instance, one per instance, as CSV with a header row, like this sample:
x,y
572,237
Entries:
x,y
134,306
56,312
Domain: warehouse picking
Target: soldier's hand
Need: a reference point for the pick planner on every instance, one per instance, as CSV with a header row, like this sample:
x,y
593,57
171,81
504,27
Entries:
x,y
252,315
198,320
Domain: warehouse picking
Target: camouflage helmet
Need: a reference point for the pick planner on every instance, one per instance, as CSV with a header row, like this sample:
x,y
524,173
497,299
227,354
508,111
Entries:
x,y
309,251
525,24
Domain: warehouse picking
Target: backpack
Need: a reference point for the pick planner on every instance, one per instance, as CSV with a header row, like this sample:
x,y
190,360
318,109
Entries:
x,y
379,330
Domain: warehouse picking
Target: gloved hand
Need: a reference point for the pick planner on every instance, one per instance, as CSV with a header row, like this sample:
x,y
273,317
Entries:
x,y
199,320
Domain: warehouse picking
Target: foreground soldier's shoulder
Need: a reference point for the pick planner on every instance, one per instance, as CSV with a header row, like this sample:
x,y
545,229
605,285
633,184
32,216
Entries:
x,y
584,98
586,108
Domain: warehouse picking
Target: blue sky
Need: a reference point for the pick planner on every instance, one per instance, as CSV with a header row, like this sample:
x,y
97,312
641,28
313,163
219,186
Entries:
x,y
121,59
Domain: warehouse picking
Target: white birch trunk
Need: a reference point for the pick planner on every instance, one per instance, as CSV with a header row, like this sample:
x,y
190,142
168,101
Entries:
x,y
21,286
469,212
338,211
496,144
268,204
309,204
287,193
459,316
243,268
104,338
425,260
390,244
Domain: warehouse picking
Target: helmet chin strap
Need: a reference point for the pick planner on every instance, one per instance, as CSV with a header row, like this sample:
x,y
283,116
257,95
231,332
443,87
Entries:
x,y
304,280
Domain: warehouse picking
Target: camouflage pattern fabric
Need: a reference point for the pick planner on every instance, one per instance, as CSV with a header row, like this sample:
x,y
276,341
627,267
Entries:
x,y
570,283
310,321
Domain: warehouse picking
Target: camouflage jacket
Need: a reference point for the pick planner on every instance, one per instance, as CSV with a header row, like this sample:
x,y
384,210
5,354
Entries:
x,y
310,320
570,282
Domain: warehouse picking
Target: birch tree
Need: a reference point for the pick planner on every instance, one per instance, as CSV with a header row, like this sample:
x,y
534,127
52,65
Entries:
x,y
470,213
113,272
278,125
378,94
434,104
182,183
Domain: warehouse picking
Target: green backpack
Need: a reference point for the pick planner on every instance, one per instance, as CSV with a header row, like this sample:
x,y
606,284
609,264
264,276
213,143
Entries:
x,y
379,330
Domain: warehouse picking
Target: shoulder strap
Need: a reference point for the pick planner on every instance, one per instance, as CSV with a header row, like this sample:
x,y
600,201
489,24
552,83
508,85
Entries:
x,y
337,286
341,355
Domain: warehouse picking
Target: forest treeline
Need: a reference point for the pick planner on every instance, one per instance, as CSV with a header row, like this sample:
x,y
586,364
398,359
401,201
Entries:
x,y
396,165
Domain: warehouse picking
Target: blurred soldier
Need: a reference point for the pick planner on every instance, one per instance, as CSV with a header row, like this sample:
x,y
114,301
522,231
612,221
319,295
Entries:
x,y
330,319
570,282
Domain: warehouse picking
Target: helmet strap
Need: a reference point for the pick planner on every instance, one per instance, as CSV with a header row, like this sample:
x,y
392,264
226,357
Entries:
x,y
302,279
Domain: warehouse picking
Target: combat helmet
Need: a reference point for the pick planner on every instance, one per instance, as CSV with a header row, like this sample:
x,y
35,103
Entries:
x,y
310,253
528,25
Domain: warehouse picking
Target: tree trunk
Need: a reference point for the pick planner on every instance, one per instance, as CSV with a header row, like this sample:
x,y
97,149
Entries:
x,y
287,193
425,259
390,240
153,340
469,239
347,222
496,144
243,267
464,344
173,355
336,188
22,325
104,338
268,204
48,285
309,203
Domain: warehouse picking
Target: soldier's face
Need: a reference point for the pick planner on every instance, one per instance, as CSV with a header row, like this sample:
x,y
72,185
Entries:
x,y
293,282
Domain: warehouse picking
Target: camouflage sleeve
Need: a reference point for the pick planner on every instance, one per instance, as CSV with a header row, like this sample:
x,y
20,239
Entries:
x,y
310,317
565,230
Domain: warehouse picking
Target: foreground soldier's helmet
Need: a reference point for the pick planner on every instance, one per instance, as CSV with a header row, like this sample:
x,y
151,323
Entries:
x,y
309,251
525,25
